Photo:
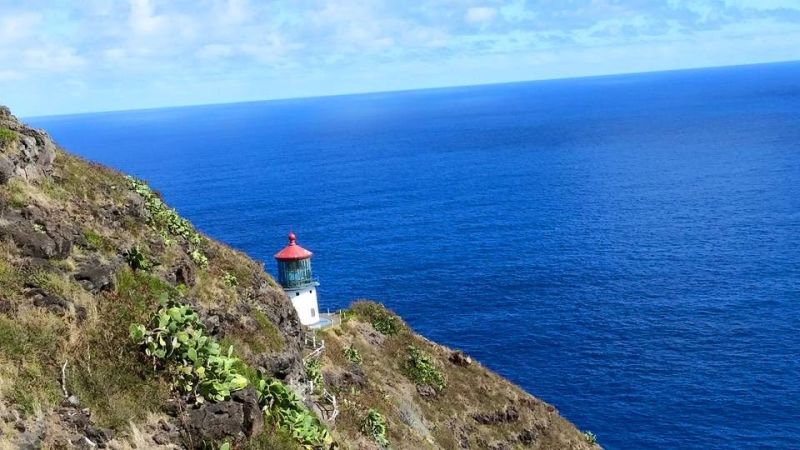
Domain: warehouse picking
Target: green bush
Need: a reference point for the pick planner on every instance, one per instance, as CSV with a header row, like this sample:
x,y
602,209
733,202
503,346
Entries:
x,y
381,319
94,241
314,372
421,368
199,258
176,340
7,136
163,218
374,426
230,279
283,406
352,355
136,258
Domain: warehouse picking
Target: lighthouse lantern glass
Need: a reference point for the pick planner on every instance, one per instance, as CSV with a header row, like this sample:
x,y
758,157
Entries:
x,y
293,274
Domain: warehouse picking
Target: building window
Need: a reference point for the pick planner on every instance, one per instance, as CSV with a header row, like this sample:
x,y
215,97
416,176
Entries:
x,y
313,312
296,294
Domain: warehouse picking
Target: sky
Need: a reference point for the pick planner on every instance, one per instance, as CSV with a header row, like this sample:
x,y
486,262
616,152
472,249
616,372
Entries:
x,y
71,56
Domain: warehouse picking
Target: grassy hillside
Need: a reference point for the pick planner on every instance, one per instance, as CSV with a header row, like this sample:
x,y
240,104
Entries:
x,y
123,327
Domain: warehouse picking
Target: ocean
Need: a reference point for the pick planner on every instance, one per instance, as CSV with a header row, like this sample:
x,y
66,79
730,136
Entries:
x,y
624,247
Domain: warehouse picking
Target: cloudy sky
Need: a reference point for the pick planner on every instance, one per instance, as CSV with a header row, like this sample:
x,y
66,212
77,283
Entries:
x,y
64,56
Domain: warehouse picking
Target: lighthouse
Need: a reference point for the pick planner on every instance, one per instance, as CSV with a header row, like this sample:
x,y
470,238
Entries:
x,y
294,274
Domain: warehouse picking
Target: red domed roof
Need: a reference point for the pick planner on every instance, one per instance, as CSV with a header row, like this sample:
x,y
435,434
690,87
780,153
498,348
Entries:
x,y
292,252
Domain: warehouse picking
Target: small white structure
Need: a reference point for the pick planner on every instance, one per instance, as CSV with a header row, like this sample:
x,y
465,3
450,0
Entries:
x,y
294,274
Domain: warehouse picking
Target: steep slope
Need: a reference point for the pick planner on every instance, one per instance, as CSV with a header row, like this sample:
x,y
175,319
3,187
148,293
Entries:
x,y
116,318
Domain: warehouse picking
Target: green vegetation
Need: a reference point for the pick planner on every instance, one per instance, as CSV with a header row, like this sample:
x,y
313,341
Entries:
x,y
381,319
168,223
200,259
163,218
270,439
230,279
590,437
176,340
7,136
136,258
266,337
314,372
31,345
374,426
94,241
352,355
284,407
420,368
15,193
103,371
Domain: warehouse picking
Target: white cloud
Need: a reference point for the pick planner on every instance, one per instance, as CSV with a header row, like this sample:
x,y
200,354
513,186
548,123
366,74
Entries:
x,y
142,19
249,47
10,75
214,51
54,59
480,14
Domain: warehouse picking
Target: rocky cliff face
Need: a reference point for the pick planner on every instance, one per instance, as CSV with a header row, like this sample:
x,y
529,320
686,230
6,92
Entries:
x,y
84,253
30,155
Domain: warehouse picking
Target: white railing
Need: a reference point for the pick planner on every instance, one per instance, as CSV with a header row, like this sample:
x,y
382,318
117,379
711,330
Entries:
x,y
325,401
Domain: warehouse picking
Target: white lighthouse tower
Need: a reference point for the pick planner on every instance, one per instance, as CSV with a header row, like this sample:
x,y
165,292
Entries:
x,y
294,274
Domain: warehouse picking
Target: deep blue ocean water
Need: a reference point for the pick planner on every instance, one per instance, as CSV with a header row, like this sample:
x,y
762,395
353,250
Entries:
x,y
624,247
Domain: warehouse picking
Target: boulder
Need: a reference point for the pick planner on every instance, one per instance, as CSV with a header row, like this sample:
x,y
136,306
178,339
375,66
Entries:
x,y
285,366
237,419
510,414
460,358
95,277
426,391
347,379
34,153
33,240
6,169
52,303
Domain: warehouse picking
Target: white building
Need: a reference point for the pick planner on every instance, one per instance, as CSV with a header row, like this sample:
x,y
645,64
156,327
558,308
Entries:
x,y
294,274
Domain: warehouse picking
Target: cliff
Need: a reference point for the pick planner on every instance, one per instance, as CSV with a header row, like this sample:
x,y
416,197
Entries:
x,y
122,327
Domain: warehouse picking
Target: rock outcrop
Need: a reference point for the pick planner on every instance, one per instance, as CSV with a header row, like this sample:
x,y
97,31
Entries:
x,y
30,155
236,419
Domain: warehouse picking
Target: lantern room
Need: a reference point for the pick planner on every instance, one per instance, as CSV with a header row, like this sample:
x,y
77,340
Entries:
x,y
294,275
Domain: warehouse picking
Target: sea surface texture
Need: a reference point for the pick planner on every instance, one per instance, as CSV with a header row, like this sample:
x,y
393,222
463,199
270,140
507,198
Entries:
x,y
624,247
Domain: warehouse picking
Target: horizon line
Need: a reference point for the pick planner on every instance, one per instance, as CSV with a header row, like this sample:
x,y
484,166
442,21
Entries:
x,y
396,91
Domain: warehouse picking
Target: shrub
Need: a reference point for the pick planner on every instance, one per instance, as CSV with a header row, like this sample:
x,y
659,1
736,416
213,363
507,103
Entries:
x,y
314,372
386,324
176,340
199,258
421,368
163,218
374,426
136,258
7,136
95,241
283,406
381,319
230,279
352,355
